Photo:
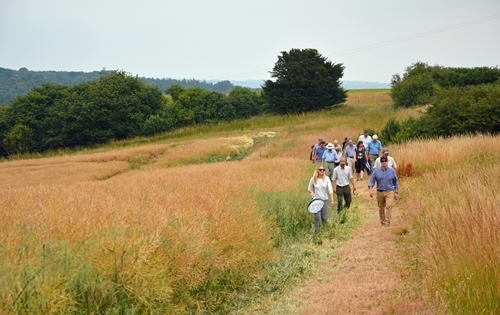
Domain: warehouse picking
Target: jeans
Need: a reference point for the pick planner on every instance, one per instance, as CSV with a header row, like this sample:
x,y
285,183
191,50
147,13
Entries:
x,y
321,216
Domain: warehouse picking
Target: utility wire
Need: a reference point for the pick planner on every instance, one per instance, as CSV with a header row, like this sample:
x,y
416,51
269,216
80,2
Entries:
x,y
386,43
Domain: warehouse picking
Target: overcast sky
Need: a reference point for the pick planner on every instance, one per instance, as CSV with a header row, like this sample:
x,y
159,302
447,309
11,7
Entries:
x,y
238,40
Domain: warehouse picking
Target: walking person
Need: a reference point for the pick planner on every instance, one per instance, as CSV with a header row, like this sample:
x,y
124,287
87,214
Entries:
x,y
338,155
342,176
320,187
387,190
361,156
349,153
366,138
390,160
329,159
318,152
313,150
374,150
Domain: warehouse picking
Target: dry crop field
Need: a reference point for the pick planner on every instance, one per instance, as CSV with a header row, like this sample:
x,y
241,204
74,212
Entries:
x,y
154,228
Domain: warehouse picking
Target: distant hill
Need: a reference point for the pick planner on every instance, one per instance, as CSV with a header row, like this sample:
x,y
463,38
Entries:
x,y
362,85
19,82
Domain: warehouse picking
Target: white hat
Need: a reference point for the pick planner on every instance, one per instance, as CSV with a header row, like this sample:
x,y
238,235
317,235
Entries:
x,y
330,145
375,137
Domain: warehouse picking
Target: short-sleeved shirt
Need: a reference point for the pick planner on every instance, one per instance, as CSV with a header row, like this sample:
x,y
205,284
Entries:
x,y
342,176
322,187
365,140
390,163
349,151
319,153
374,147
329,156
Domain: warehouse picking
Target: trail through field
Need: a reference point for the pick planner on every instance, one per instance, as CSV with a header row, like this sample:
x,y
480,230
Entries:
x,y
365,277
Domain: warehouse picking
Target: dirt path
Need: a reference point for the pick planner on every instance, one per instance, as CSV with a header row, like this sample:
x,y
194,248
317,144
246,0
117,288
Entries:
x,y
366,276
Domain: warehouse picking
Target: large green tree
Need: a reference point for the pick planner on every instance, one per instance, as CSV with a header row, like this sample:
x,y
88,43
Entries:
x,y
304,81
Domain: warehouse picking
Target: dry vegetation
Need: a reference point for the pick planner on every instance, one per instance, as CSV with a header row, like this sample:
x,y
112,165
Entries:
x,y
152,223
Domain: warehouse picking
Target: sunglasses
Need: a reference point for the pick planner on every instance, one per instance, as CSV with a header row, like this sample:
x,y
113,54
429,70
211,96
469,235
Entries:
x,y
321,169
383,161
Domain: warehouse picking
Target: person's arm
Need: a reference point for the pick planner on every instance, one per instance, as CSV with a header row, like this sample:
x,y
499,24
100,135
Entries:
x,y
310,188
371,183
330,191
353,184
334,181
396,186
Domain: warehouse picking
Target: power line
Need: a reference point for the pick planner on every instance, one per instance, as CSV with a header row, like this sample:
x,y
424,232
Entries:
x,y
387,43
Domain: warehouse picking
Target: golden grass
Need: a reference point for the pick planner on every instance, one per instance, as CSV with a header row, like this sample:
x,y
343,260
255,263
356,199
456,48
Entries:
x,y
453,206
160,219
369,97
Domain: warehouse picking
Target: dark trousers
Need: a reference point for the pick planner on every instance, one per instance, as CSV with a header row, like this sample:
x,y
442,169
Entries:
x,y
343,193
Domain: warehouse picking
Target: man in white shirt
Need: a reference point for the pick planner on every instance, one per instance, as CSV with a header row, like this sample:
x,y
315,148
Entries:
x,y
390,160
341,177
366,138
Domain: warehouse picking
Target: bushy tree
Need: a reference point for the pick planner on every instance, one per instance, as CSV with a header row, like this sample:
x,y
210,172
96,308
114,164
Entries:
x,y
455,111
54,116
414,90
304,81
420,82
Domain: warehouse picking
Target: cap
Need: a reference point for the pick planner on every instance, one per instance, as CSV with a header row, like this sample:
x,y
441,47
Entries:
x,y
385,150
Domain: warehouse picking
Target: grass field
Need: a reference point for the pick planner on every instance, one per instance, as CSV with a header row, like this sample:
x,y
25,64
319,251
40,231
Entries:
x,y
211,219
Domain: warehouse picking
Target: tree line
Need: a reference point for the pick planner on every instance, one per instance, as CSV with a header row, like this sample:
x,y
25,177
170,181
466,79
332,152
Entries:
x,y
454,101
14,83
118,105
115,106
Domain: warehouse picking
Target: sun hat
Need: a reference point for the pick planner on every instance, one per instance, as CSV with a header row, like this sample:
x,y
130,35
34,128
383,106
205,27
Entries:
x,y
375,137
329,145
342,160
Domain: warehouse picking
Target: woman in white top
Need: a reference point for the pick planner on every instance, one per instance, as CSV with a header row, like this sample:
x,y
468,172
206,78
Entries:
x,y
320,186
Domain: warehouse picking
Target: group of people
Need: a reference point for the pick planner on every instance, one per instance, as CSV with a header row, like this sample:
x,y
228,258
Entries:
x,y
341,162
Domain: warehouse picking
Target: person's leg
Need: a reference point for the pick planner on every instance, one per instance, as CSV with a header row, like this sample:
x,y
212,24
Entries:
x,y
389,203
347,196
350,163
372,160
330,167
381,206
340,196
357,166
317,221
324,212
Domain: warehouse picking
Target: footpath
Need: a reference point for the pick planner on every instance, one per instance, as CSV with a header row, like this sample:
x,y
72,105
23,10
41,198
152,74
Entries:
x,y
366,275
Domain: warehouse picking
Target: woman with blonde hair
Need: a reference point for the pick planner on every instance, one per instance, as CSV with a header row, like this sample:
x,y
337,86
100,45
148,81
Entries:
x,y
320,187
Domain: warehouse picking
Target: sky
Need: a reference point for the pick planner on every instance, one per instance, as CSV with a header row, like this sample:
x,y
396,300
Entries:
x,y
240,40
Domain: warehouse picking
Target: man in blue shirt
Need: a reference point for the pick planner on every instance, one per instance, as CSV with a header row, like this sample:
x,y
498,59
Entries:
x,y
318,152
349,153
329,158
374,150
387,190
